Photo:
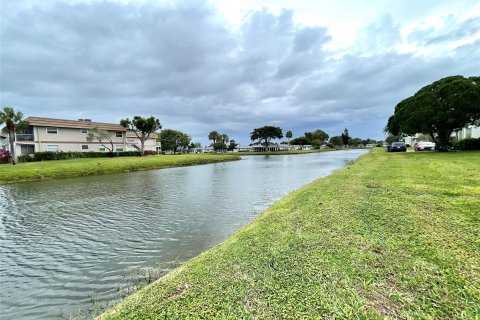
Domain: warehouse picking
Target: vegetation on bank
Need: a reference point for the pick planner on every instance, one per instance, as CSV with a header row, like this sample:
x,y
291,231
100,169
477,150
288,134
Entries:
x,y
392,235
33,171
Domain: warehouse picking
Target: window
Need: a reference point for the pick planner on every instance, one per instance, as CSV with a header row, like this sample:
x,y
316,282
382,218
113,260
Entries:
x,y
84,146
119,148
119,134
52,130
84,130
27,149
53,148
102,149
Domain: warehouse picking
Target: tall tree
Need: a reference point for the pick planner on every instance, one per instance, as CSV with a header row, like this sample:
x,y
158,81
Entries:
x,y
224,139
345,137
438,109
266,134
142,127
174,140
103,137
289,136
13,121
232,145
214,136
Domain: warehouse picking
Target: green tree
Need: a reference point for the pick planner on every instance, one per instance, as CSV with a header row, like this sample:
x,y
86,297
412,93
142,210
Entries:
x,y
224,139
266,134
174,140
336,140
214,136
142,127
345,137
194,145
232,145
438,109
103,137
289,136
13,122
300,141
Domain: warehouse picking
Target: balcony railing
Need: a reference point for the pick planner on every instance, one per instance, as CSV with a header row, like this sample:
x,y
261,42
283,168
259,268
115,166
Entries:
x,y
25,137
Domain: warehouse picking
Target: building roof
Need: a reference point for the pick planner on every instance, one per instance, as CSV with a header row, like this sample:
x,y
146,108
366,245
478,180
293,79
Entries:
x,y
79,124
153,135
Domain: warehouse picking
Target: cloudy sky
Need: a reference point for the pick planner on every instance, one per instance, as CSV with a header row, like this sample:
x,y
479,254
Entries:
x,y
232,66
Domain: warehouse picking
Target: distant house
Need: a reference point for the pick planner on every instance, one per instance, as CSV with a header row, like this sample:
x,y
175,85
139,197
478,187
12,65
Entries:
x,y
469,131
244,148
47,134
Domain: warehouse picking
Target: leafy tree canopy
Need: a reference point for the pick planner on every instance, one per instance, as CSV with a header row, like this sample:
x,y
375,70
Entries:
x,y
174,140
142,127
336,140
438,109
315,138
266,134
214,136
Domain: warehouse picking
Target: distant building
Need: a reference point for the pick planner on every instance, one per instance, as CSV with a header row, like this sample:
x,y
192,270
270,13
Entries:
x,y
47,134
469,131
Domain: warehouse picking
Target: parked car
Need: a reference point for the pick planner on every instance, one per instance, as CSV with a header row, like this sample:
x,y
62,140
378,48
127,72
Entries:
x,y
424,146
398,147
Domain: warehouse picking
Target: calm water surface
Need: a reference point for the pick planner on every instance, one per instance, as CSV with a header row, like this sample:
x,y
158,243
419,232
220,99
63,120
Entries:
x,y
66,242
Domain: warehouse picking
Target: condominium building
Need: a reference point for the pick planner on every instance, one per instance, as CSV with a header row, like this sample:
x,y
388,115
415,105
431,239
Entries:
x,y
47,134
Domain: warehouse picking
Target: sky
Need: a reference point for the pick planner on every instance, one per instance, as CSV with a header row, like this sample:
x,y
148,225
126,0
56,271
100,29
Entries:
x,y
232,66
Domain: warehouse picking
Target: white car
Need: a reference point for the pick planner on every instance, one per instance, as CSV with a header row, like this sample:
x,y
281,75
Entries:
x,y
425,146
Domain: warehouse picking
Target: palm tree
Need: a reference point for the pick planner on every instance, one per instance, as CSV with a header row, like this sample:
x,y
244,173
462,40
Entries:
x,y
214,136
289,136
13,121
224,138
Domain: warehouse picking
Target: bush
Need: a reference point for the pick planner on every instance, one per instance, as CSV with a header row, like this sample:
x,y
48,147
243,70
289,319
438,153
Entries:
x,y
49,155
467,144
4,156
25,158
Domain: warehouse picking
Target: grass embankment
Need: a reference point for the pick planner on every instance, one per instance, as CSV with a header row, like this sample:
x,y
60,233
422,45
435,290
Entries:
x,y
394,235
273,153
57,169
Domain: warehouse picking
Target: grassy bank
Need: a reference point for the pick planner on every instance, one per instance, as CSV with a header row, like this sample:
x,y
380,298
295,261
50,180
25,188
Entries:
x,y
393,235
273,153
58,169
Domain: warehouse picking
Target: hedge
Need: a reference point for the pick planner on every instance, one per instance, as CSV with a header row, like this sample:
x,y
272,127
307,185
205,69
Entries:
x,y
49,155
467,144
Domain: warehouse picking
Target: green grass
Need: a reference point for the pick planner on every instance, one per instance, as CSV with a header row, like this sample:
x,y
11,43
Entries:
x,y
58,169
273,153
394,235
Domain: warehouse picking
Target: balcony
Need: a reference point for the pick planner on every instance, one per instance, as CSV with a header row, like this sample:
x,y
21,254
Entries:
x,y
25,137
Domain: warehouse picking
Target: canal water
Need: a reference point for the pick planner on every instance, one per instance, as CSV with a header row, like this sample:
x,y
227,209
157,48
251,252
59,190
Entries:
x,y
75,242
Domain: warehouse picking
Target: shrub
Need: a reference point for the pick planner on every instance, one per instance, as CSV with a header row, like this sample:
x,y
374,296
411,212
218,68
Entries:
x,y
4,156
467,144
49,155
25,158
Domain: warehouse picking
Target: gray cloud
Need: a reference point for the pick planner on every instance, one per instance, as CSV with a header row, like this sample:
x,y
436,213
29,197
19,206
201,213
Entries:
x,y
105,61
450,31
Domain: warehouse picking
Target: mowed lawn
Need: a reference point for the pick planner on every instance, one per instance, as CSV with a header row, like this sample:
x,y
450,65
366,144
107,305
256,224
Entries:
x,y
394,235
57,169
